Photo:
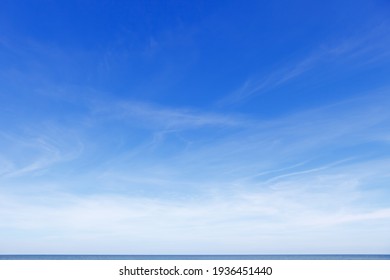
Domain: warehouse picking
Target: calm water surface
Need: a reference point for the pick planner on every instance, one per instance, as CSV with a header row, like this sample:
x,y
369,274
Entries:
x,y
194,257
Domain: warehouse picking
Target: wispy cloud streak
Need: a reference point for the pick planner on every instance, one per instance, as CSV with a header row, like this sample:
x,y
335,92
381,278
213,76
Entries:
x,y
366,49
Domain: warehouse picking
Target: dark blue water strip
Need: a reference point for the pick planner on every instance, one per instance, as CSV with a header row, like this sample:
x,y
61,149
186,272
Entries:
x,y
196,257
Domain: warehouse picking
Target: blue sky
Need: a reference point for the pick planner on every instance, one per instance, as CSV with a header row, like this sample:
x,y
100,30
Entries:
x,y
190,127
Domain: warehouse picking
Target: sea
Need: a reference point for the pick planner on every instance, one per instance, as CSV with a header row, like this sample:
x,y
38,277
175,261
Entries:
x,y
196,257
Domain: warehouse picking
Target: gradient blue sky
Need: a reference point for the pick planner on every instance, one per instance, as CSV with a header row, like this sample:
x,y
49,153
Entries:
x,y
194,127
